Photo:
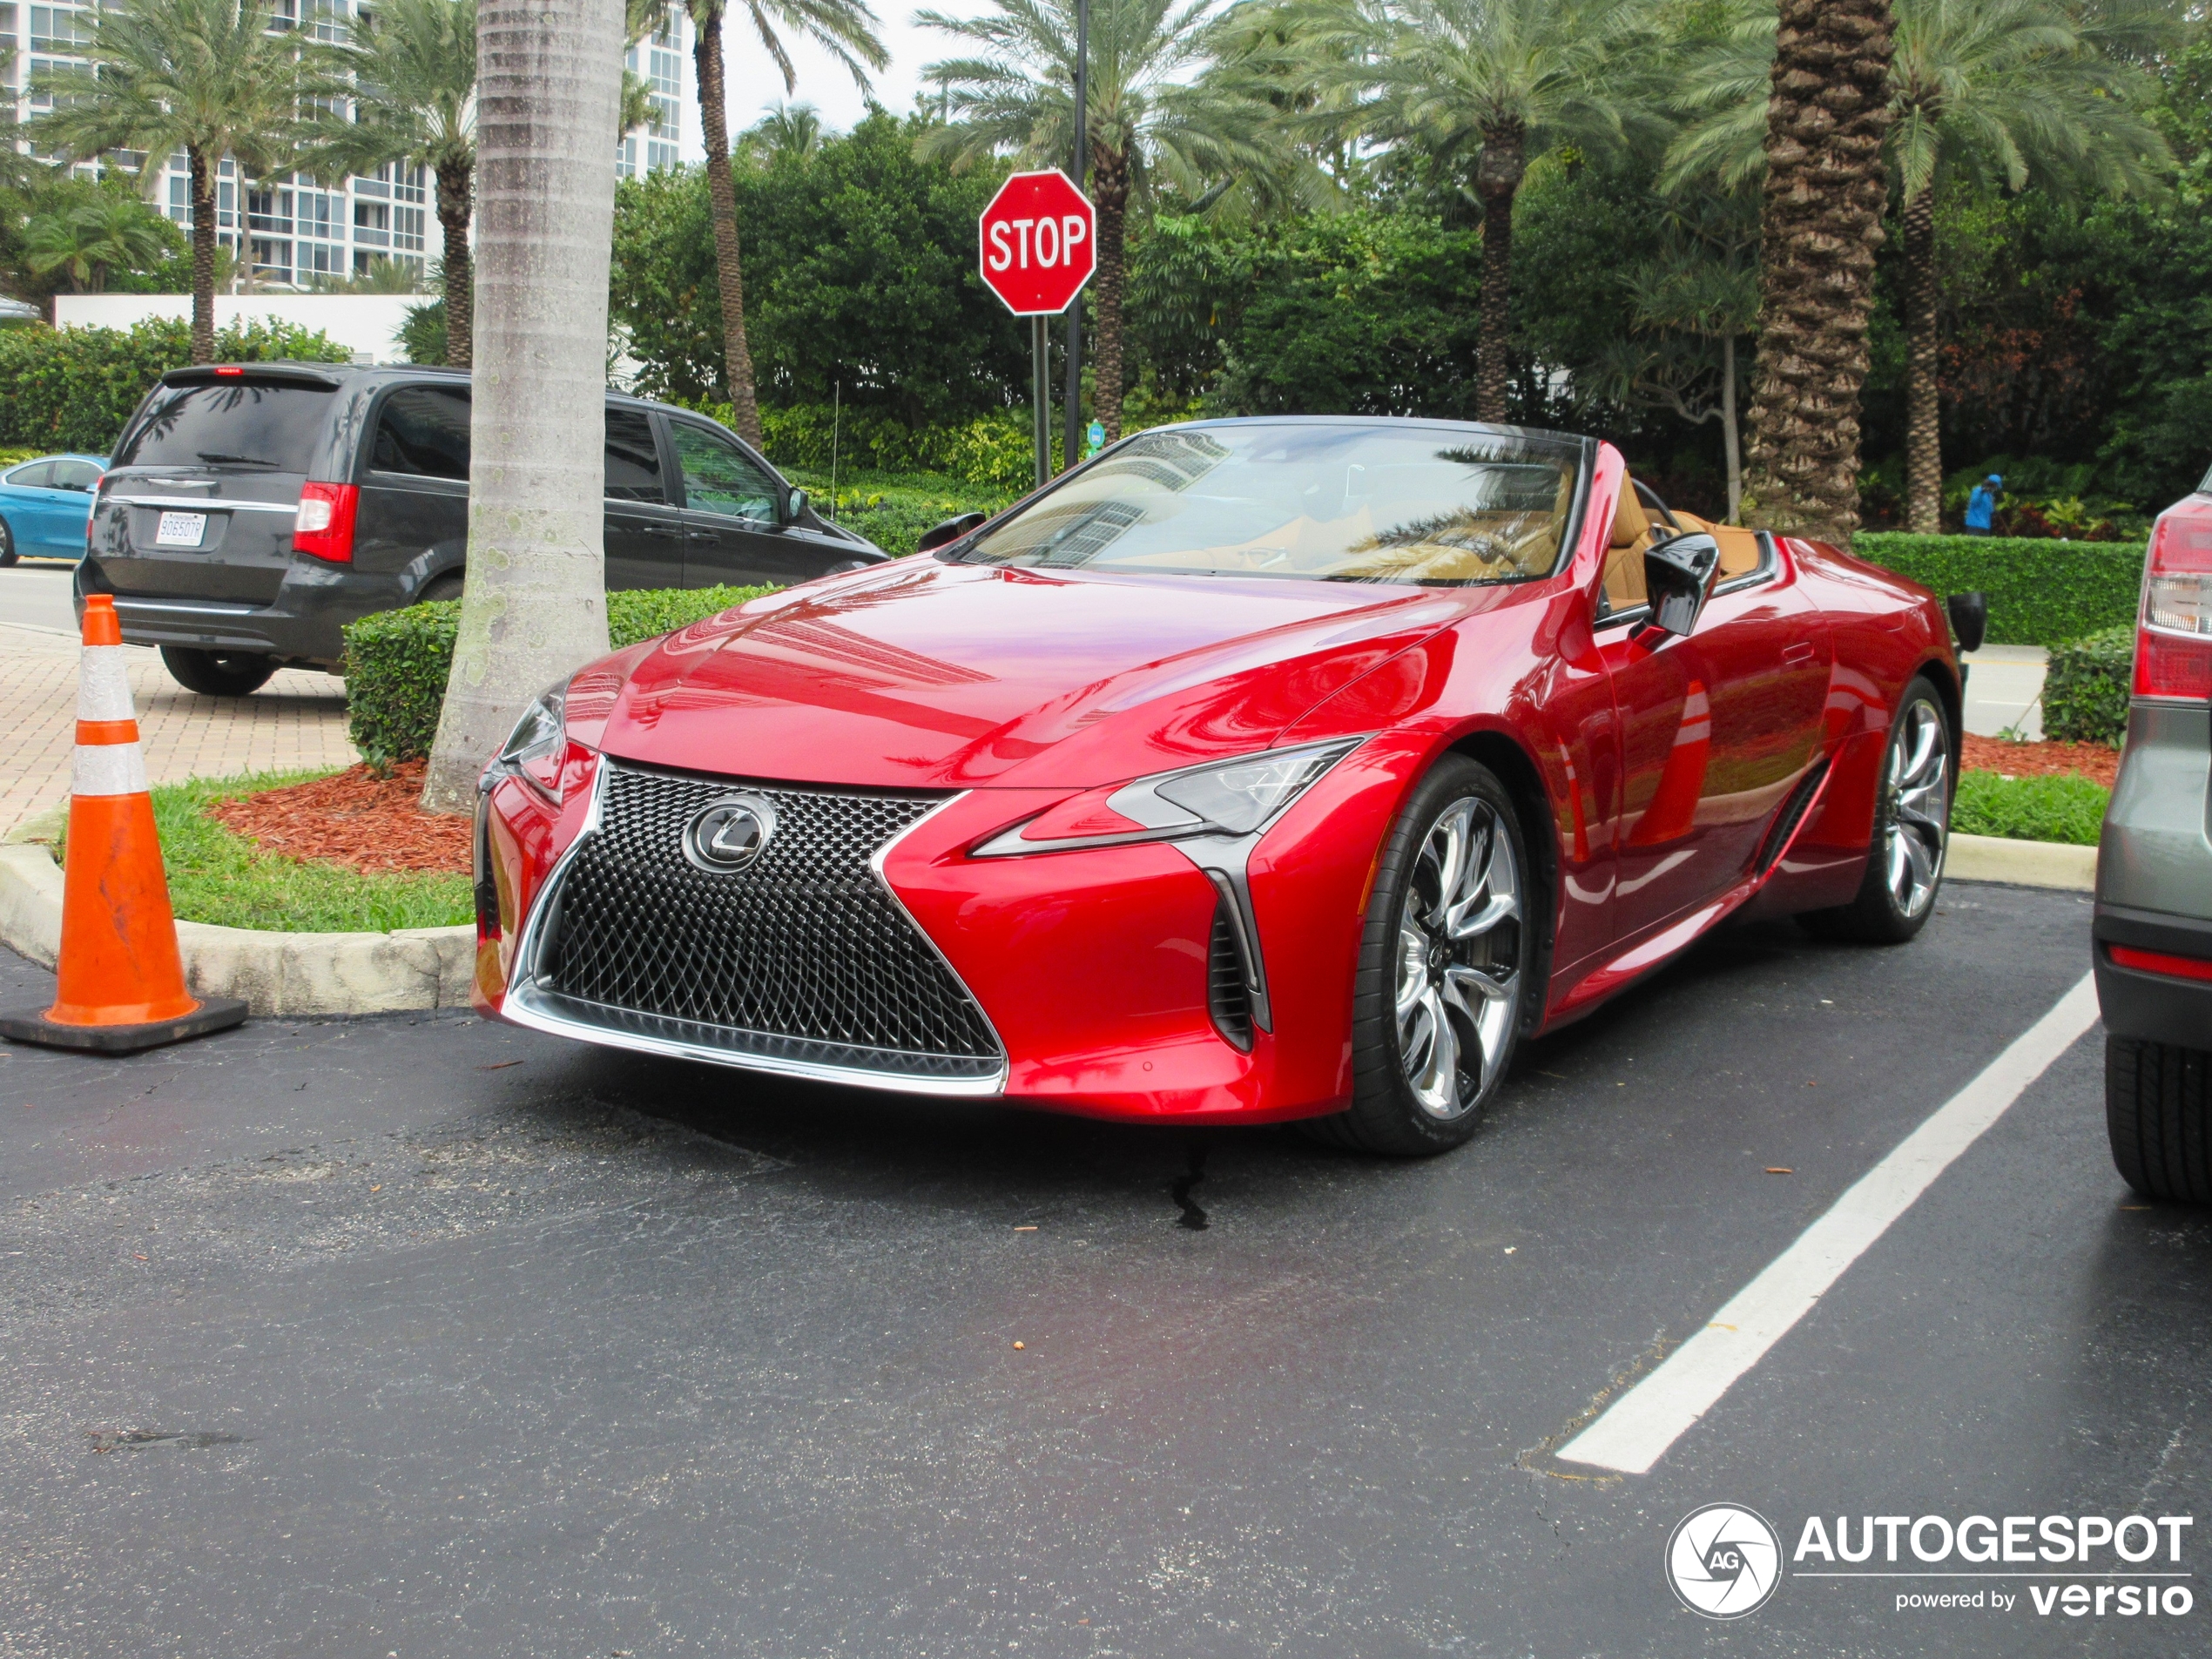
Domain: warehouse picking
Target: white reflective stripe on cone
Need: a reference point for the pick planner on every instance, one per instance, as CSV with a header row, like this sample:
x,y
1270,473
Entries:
x,y
109,769
102,687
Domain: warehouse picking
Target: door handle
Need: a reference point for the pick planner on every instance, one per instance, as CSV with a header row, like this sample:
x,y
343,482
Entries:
x,y
1800,652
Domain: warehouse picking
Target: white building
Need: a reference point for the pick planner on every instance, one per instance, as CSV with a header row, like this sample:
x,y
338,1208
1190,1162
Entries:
x,y
296,230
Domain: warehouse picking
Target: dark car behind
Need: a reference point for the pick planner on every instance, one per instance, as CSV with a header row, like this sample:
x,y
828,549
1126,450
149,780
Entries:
x,y
251,511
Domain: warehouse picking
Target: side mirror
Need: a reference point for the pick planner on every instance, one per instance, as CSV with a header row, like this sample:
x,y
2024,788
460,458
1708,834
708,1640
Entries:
x,y
1969,618
951,531
1678,573
794,506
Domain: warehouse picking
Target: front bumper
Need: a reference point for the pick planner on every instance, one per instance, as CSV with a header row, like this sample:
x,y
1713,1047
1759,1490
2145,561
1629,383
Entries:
x,y
1091,967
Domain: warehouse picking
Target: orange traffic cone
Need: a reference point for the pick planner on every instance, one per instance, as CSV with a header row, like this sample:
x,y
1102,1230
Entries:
x,y
122,982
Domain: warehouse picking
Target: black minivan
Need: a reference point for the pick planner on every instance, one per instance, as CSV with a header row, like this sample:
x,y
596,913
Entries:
x,y
252,511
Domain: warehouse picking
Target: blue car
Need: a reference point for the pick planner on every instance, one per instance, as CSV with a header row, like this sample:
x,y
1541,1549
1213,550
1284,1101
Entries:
x,y
44,504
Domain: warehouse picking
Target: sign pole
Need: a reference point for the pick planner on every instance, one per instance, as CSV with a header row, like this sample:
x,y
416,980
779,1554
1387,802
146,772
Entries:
x,y
1041,393
1073,453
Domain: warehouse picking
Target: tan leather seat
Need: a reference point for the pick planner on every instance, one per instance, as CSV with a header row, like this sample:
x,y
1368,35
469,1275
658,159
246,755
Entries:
x,y
1739,548
1624,588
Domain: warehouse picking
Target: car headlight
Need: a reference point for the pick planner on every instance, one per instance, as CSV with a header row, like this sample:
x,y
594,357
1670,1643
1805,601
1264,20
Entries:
x,y
1237,796
534,748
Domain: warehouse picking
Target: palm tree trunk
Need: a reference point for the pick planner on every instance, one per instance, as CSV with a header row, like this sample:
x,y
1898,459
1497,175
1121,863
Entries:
x,y
203,258
455,185
1497,177
534,609
1110,187
1923,407
722,195
1731,445
1820,224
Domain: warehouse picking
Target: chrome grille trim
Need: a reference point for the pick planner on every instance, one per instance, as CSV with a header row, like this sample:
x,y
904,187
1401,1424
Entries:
x,y
532,1002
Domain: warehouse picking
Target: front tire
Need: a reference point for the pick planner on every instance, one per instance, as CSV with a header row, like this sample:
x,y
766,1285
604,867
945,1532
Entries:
x,y
1912,829
2158,1115
7,554
1448,979
217,673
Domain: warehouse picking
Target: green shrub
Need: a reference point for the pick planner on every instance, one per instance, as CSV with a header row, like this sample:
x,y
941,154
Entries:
x,y
73,389
2068,807
397,662
2086,689
2040,592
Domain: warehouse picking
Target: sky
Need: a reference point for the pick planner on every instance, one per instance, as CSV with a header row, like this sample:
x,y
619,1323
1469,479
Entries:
x,y
755,84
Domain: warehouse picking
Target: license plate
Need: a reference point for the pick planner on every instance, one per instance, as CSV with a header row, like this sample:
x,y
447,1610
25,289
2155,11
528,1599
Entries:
x,y
181,529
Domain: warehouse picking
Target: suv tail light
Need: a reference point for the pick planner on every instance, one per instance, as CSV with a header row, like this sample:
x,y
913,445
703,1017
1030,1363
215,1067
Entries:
x,y
325,523
2174,635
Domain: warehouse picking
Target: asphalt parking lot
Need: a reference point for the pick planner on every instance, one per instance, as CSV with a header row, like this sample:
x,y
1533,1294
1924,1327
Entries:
x,y
426,1337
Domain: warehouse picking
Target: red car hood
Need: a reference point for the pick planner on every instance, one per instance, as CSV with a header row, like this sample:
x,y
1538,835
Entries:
x,y
922,673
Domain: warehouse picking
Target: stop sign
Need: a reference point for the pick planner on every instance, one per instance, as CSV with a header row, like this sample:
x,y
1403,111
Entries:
x,y
1039,238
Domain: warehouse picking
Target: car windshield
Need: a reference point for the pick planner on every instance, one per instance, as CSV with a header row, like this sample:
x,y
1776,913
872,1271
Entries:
x,y
245,424
1402,503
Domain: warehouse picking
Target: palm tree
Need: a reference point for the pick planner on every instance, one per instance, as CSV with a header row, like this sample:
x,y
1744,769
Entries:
x,y
204,76
412,67
2023,90
535,606
793,131
2009,91
1481,89
1154,113
108,233
846,29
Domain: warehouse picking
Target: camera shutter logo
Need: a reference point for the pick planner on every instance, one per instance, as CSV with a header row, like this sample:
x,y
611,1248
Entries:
x,y
730,834
1724,1561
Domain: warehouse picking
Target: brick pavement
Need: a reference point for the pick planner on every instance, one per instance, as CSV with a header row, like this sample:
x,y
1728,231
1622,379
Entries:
x,y
297,720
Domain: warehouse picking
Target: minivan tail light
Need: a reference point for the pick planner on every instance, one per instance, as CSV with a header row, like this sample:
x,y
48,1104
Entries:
x,y
2174,635
325,523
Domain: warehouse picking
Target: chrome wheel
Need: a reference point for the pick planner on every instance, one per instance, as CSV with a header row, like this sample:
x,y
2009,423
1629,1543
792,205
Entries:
x,y
1916,791
1459,960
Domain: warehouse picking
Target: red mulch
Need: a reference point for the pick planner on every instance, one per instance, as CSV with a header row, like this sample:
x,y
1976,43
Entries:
x,y
2093,760
355,818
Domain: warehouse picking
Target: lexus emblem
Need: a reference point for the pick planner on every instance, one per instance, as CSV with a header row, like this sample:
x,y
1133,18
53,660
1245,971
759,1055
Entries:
x,y
730,833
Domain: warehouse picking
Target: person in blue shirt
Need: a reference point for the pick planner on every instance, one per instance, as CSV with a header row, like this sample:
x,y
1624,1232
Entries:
x,y
1981,506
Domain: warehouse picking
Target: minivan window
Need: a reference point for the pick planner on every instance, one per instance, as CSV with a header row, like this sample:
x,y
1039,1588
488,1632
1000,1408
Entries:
x,y
720,478
633,459
423,431
244,423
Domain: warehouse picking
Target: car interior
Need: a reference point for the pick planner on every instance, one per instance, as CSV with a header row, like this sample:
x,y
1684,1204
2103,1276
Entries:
x,y
1635,529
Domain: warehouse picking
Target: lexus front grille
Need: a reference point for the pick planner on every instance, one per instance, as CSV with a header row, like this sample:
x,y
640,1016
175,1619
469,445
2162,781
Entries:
x,y
803,961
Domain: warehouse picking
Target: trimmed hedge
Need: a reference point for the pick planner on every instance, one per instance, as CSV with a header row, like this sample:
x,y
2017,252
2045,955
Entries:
x,y
73,389
2040,592
2087,686
397,662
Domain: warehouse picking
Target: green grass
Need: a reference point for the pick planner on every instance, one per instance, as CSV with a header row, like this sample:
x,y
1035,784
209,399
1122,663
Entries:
x,y
2066,808
218,876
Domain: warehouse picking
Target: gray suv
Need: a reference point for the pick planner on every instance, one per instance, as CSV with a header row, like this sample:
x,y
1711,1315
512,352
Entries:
x,y
252,511
2153,924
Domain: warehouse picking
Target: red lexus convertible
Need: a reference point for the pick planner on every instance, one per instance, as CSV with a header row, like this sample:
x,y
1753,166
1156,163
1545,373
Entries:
x,y
1258,770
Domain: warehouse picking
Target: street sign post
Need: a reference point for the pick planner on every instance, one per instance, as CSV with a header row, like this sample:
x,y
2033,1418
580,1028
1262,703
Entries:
x,y
1038,244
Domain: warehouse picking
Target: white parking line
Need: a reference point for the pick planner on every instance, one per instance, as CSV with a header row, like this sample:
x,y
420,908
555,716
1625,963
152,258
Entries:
x,y
1637,1428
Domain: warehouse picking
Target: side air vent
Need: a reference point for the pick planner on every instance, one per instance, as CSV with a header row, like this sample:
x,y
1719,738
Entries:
x,y
1225,997
1793,814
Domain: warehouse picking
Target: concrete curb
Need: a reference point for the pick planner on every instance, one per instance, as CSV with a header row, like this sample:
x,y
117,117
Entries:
x,y
2021,864
273,973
